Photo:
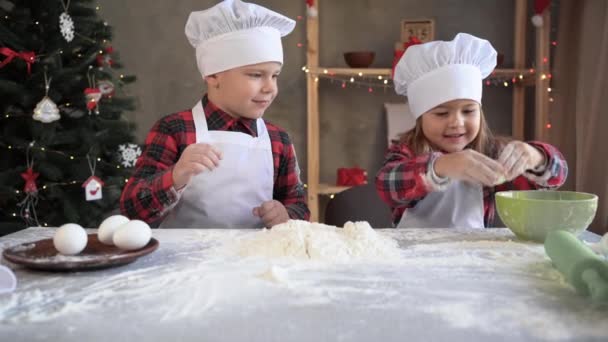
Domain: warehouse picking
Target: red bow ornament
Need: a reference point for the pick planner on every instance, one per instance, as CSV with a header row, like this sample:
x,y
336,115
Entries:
x,y
28,57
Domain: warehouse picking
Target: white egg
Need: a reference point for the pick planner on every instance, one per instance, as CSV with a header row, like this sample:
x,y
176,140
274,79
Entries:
x,y
70,239
134,234
108,227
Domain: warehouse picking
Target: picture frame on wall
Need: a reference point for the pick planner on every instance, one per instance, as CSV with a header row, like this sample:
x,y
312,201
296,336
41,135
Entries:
x,y
423,29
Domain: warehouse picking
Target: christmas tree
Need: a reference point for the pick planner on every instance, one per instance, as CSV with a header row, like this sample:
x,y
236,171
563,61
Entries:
x,y
62,123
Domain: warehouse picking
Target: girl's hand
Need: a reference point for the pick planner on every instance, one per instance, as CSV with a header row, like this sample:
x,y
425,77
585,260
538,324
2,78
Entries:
x,y
517,157
195,159
471,166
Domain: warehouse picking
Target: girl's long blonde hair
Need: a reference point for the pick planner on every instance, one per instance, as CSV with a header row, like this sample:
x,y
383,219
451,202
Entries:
x,y
484,142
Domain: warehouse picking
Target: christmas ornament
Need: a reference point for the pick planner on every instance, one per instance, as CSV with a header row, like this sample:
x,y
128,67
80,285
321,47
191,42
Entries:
x,y
28,57
30,181
93,185
129,154
46,110
28,204
539,8
106,87
105,59
66,24
311,10
93,95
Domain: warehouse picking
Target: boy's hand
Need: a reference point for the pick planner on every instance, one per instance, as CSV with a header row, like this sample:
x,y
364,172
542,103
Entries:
x,y
517,157
272,213
195,159
469,165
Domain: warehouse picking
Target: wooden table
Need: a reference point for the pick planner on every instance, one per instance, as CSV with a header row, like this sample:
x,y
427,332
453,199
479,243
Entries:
x,y
451,285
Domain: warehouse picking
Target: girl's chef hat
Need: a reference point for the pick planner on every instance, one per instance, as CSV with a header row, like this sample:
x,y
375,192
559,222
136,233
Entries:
x,y
233,33
436,72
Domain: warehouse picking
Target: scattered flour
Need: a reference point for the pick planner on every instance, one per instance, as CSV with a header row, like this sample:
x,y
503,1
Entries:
x,y
318,242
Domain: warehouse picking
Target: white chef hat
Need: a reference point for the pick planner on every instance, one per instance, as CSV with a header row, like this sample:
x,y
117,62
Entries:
x,y
233,33
436,72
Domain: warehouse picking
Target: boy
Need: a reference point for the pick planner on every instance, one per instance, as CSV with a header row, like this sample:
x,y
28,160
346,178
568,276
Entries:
x,y
220,165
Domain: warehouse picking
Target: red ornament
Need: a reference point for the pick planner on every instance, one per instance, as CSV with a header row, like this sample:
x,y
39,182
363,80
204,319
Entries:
x,y
28,57
105,59
30,181
540,6
93,95
311,11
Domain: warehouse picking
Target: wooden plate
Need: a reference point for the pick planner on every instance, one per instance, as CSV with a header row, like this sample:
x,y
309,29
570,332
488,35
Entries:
x,y
42,255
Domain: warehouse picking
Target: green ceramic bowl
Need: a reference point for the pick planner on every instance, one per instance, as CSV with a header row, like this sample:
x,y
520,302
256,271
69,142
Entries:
x,y
532,214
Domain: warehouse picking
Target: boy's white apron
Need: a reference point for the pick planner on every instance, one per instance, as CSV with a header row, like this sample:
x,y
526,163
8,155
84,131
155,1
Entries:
x,y
226,196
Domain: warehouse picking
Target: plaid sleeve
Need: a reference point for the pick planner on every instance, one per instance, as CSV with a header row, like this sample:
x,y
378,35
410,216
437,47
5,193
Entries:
x,y
555,171
149,193
288,188
405,178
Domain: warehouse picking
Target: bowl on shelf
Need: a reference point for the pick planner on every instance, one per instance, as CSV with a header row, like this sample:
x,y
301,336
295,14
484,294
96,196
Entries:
x,y
532,214
359,59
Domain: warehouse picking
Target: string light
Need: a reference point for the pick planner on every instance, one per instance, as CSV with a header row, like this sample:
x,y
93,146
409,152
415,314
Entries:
x,y
548,126
43,149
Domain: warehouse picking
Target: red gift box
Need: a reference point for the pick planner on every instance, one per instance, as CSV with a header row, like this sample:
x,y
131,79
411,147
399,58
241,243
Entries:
x,y
351,176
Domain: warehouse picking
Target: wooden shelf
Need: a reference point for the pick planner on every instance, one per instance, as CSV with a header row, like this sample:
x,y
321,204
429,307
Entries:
x,y
329,189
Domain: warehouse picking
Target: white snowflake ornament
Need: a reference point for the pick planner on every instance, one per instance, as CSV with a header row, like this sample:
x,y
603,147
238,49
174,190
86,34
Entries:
x,y
129,154
66,25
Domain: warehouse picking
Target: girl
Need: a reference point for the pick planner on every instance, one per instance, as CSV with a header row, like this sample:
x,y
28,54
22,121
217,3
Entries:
x,y
444,172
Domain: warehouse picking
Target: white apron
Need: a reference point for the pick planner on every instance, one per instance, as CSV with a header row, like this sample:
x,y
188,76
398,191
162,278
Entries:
x,y
459,206
226,196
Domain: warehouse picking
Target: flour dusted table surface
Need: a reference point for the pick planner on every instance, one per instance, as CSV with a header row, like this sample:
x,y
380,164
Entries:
x,y
451,285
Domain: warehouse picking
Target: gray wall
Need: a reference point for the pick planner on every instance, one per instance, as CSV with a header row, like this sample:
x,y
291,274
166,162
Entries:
x,y
149,36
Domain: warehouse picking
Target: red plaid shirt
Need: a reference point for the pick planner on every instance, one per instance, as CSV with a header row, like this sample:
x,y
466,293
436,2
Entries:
x,y
402,181
149,193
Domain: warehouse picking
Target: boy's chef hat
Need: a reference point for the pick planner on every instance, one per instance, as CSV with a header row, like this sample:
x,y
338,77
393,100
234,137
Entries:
x,y
436,72
233,33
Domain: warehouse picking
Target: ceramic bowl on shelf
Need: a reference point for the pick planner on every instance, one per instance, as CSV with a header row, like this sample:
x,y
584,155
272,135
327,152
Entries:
x,y
359,59
532,214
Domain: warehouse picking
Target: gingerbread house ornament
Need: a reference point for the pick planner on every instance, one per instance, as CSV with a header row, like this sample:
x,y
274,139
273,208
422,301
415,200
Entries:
x,y
92,188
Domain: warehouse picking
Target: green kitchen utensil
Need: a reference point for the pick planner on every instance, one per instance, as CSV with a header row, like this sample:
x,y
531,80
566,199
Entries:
x,y
532,214
581,267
